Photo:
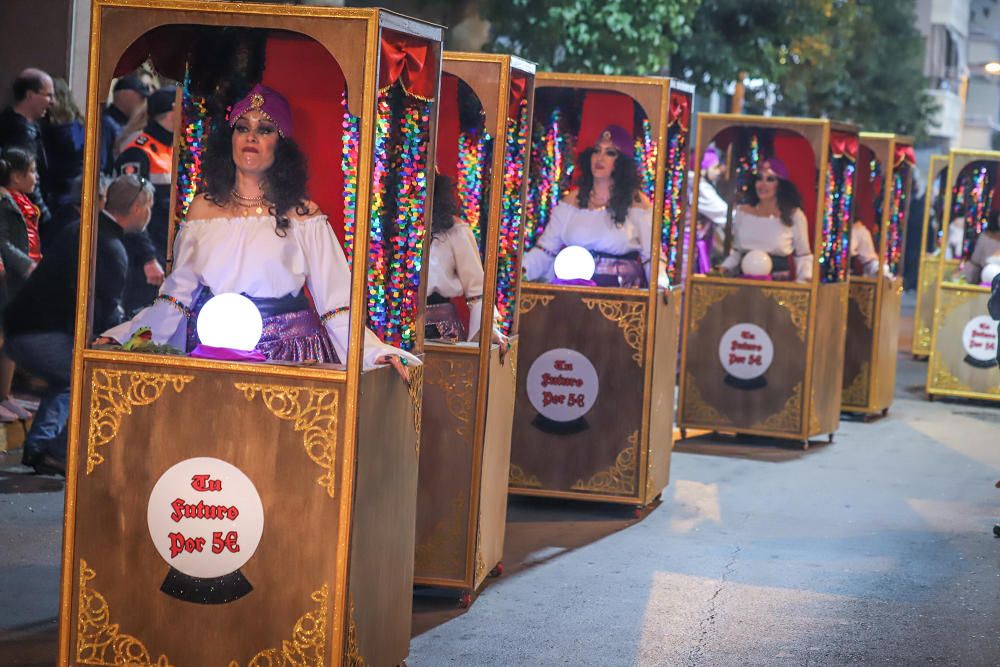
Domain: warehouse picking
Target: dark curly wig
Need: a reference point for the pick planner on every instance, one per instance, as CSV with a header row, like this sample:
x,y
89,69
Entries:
x,y
788,196
446,206
284,183
624,184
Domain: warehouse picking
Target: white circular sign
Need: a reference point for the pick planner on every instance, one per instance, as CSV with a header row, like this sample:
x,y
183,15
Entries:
x,y
979,338
562,384
205,517
746,351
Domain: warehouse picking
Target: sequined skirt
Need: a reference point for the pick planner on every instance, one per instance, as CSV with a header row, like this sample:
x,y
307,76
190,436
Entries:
x,y
296,335
441,322
620,271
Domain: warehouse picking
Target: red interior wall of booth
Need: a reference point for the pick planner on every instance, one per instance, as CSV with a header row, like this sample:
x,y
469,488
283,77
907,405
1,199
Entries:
x,y
448,127
797,154
313,83
865,190
600,109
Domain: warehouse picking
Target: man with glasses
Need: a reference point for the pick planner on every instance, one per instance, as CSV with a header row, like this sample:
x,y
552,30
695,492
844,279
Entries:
x,y
40,320
34,94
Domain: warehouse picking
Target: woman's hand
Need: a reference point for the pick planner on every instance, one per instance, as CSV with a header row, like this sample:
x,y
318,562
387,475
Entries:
x,y
502,341
399,364
104,340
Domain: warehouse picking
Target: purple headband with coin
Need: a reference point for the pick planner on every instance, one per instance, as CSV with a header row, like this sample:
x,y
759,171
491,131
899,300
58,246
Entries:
x,y
619,137
270,103
777,166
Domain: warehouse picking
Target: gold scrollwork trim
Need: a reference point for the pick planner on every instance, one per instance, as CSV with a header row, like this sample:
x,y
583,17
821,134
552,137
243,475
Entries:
x,y
950,300
480,560
789,418
417,399
454,376
696,408
98,640
943,379
317,419
796,302
354,657
518,477
529,301
440,551
864,295
631,319
619,478
113,394
856,393
704,297
307,647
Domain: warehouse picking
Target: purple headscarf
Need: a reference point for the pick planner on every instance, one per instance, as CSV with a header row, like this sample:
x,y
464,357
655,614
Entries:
x,y
269,102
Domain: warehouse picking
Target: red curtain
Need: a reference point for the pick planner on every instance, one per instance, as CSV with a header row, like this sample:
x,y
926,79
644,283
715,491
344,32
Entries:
x,y
518,88
409,59
797,154
680,109
865,190
448,127
295,67
842,143
600,109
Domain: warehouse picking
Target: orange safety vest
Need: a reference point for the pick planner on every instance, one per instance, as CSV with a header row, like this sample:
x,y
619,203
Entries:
x,y
159,154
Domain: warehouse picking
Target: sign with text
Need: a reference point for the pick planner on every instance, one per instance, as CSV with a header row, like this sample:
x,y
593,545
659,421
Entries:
x,y
979,338
205,517
746,351
562,384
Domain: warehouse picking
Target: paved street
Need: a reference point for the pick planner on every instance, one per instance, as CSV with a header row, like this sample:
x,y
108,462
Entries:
x,y
875,549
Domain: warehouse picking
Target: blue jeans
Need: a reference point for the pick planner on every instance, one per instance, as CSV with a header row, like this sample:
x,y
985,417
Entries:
x,y
48,355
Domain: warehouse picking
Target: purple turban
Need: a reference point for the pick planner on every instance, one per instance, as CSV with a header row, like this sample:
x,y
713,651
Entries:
x,y
269,102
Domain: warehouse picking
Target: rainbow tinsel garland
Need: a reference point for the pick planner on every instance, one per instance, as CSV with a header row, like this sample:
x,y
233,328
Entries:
x,y
674,200
351,126
645,157
474,150
980,193
194,124
511,217
834,259
550,176
378,264
898,206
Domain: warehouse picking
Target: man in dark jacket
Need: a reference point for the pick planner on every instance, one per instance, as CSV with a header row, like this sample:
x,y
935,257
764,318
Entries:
x,y
128,95
40,321
150,155
33,95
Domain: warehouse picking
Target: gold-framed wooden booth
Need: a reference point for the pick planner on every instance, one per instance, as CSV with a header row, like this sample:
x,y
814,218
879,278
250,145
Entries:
x,y
325,455
882,197
931,250
962,362
485,109
608,351
733,325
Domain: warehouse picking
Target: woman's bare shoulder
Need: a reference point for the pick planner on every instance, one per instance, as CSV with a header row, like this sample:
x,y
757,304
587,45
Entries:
x,y
641,201
308,209
571,196
203,208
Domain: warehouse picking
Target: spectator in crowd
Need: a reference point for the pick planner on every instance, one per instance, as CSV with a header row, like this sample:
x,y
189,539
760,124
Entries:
x,y
150,155
34,93
40,320
20,249
128,95
63,135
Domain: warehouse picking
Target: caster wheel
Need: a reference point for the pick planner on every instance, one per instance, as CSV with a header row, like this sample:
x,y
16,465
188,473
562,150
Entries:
x,y
465,601
829,439
996,530
684,434
497,571
885,411
805,445
637,512
930,397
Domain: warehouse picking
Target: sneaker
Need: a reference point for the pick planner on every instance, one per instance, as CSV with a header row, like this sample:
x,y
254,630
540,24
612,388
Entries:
x,y
15,407
6,416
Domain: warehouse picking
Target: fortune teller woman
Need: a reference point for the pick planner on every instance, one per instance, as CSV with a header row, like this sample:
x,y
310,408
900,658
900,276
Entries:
x,y
607,214
772,221
253,231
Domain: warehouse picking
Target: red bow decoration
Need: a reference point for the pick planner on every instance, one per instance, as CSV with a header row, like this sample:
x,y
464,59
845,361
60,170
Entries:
x,y
680,110
905,154
518,87
407,59
842,144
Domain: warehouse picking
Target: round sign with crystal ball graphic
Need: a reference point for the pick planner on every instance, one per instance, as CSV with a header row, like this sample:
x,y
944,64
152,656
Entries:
x,y
206,520
746,352
979,338
562,385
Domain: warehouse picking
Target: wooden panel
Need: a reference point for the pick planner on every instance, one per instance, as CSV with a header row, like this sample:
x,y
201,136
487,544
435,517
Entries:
x,y
601,458
948,373
496,461
448,453
923,316
888,344
661,414
708,401
381,576
859,352
827,358
137,422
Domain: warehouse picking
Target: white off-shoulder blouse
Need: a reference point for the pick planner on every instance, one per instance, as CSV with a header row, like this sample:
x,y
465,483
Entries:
x,y
455,269
246,256
770,234
593,229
